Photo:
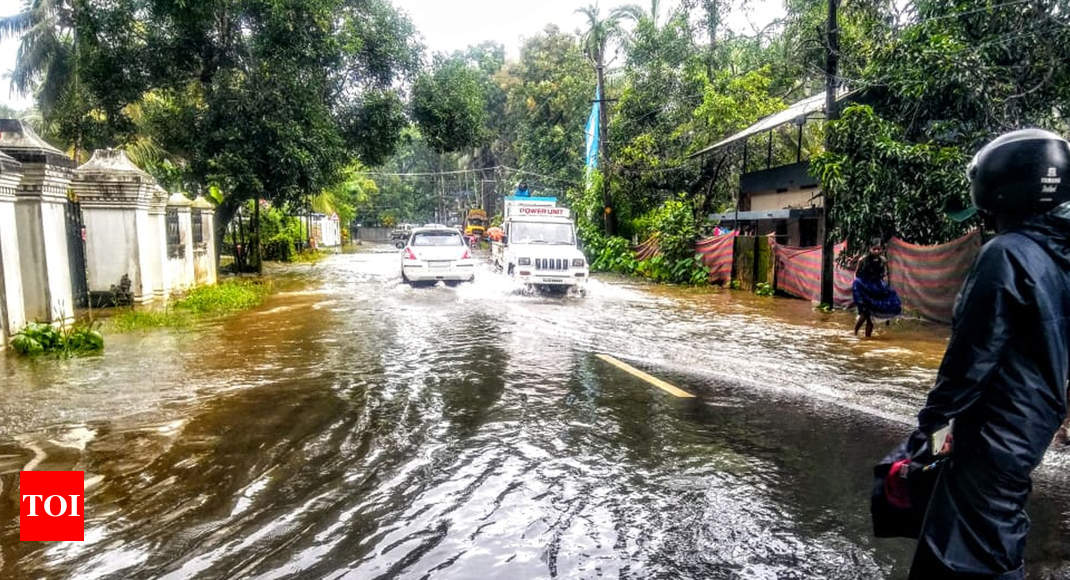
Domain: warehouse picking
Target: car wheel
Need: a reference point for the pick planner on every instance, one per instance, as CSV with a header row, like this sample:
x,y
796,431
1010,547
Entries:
x,y
453,283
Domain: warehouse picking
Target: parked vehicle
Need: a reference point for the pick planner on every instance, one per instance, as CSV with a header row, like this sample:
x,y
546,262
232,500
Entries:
x,y
475,224
400,236
434,254
539,246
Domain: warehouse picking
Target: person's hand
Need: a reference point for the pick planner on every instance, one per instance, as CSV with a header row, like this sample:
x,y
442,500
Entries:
x,y
946,449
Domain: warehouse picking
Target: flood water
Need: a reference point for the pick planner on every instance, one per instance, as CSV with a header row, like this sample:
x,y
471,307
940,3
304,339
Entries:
x,y
353,427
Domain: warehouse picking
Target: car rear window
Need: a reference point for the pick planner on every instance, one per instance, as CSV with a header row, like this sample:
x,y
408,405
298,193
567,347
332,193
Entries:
x,y
437,239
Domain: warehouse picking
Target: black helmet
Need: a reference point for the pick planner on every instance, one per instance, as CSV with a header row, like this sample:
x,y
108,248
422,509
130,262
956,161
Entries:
x,y
1021,173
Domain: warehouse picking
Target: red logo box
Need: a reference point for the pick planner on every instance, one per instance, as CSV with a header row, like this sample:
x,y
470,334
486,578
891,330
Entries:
x,y
52,506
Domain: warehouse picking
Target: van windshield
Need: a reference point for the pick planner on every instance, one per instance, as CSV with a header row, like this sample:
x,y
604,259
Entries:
x,y
541,233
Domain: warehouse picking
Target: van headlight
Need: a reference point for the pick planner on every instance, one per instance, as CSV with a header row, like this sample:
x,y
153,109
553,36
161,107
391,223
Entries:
x,y
523,262
579,263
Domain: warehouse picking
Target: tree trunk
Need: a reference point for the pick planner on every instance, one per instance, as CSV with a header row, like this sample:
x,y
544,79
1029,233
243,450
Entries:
x,y
256,235
223,216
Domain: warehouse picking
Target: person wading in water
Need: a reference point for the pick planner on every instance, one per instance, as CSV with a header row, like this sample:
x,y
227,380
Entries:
x,y
873,296
1003,379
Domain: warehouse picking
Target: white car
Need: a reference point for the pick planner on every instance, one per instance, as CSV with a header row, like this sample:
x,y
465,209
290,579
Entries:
x,y
434,254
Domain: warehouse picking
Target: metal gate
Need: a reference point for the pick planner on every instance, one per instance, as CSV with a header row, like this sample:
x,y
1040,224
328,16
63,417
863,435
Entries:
x,y
76,254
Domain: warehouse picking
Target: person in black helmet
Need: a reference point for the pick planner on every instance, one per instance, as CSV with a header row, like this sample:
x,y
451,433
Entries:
x,y
1003,379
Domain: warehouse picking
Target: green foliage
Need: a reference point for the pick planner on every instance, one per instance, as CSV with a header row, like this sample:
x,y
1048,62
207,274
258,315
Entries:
x,y
673,224
280,234
229,296
962,72
549,92
38,339
448,104
372,127
764,289
613,254
256,99
224,298
134,320
883,186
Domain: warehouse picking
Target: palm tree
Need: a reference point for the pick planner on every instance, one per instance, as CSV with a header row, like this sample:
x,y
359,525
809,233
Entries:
x,y
46,53
600,32
636,13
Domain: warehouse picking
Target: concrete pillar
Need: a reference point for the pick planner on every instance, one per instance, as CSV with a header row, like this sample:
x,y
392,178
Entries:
x,y
120,238
180,256
40,215
158,248
12,313
204,252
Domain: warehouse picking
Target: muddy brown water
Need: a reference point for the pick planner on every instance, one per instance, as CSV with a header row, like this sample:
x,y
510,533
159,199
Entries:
x,y
353,427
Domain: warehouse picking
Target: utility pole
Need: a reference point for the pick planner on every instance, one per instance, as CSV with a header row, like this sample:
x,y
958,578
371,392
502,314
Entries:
x,y
832,58
603,155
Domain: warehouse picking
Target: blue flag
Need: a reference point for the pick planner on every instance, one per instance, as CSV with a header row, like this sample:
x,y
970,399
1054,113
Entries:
x,y
593,134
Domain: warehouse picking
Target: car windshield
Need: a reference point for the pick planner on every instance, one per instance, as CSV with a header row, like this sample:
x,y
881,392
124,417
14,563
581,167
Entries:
x,y
475,222
541,233
437,239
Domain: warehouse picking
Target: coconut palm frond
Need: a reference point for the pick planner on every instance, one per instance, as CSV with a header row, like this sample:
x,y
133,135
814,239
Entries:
x,y
145,152
13,26
630,12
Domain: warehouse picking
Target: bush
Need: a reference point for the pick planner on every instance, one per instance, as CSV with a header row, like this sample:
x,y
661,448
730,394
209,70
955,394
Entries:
x,y
37,339
614,255
673,224
764,289
884,185
280,234
280,248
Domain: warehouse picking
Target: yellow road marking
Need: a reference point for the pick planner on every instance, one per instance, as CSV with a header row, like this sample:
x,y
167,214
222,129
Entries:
x,y
650,379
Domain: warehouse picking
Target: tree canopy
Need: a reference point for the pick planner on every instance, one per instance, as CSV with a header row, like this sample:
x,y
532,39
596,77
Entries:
x,y
334,99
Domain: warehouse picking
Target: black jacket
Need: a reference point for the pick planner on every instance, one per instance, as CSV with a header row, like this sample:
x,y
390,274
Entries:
x,y
1004,380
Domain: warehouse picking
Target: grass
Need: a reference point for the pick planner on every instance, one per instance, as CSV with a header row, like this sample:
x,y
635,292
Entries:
x,y
229,296
308,257
224,298
132,320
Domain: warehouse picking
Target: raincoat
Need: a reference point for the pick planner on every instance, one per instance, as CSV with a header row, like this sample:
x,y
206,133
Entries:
x,y
1004,381
871,291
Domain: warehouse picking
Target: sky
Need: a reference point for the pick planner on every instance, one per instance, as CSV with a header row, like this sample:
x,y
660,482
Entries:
x,y
448,25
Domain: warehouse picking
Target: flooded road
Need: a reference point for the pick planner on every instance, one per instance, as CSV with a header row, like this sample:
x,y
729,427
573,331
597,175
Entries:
x,y
353,427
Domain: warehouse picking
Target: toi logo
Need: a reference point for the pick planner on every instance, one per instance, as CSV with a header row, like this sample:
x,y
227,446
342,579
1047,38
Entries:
x,y
52,506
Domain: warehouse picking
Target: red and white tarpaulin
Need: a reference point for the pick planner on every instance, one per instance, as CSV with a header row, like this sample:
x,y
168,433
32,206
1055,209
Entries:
x,y
717,255
928,278
798,272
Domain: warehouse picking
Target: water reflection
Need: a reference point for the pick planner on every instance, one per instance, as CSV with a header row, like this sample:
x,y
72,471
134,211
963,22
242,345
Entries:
x,y
356,428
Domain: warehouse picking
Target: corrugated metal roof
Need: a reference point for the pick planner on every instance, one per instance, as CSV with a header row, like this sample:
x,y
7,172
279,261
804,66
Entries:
x,y
796,111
